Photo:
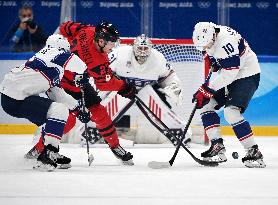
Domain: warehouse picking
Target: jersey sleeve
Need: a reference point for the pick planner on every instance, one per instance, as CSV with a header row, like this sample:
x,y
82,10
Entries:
x,y
59,95
113,60
69,29
75,64
228,59
167,75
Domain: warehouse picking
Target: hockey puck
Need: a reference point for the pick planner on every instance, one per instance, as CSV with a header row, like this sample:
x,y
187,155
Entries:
x,y
235,155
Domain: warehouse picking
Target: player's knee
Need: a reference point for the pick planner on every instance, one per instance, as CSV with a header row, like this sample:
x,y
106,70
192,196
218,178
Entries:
x,y
210,106
58,111
232,114
98,111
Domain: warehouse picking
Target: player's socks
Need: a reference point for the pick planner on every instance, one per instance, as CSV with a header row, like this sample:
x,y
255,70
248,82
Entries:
x,y
253,158
216,152
244,133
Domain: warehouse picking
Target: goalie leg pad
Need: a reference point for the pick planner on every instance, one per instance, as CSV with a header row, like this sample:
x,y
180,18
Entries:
x,y
104,125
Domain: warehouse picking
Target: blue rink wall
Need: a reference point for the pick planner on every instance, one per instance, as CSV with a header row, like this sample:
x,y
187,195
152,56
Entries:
x,y
262,112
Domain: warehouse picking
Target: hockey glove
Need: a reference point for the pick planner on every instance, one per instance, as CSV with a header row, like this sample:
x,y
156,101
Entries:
x,y
174,92
81,80
84,117
128,91
203,95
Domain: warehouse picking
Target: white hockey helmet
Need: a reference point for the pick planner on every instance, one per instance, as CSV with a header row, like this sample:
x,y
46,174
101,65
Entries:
x,y
203,34
142,46
58,41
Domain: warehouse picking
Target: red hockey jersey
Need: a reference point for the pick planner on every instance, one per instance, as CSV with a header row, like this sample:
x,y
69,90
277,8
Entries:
x,y
81,38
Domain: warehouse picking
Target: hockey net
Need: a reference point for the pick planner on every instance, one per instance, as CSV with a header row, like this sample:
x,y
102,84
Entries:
x,y
188,63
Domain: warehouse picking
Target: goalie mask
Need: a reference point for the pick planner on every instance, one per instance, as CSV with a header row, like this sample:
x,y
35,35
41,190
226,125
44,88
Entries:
x,y
142,48
203,34
57,41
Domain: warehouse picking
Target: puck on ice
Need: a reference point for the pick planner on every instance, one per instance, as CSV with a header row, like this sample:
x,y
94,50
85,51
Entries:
x,y
235,155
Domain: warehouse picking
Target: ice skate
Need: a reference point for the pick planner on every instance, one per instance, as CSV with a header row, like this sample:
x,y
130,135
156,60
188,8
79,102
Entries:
x,y
217,149
32,154
62,161
253,158
123,155
45,161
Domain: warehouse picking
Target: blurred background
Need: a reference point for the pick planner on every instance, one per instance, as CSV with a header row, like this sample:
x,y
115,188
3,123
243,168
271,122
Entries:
x,y
255,20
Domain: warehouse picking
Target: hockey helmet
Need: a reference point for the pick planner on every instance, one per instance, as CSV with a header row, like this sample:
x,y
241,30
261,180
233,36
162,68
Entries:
x,y
58,41
142,46
203,34
106,31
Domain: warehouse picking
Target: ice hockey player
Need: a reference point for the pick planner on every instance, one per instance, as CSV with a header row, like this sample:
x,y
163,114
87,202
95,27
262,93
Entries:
x,y
237,80
143,65
92,44
42,73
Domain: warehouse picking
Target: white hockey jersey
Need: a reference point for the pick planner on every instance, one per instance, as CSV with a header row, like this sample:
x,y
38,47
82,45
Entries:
x,y
155,69
42,73
234,56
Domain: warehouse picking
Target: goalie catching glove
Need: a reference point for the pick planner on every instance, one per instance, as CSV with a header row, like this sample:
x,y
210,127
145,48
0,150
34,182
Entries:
x,y
174,92
203,95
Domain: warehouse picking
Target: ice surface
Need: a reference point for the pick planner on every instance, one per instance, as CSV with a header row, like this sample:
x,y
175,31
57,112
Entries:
x,y
109,182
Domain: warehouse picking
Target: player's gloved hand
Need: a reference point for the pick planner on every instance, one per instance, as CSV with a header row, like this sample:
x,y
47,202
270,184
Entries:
x,y
129,91
84,117
81,80
203,95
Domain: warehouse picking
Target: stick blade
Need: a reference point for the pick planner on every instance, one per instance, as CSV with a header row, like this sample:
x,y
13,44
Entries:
x,y
159,165
90,159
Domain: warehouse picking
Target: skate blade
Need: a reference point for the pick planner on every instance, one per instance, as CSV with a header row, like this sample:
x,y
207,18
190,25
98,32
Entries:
x,y
64,166
220,159
158,165
255,164
128,163
43,167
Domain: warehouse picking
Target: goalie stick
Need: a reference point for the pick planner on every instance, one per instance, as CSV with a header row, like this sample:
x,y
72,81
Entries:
x,y
92,131
158,165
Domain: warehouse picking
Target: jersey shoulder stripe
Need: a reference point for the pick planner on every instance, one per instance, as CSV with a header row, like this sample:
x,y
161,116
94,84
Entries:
x,y
62,58
50,73
230,62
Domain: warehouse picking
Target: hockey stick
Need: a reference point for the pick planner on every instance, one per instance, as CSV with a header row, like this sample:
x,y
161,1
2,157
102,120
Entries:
x,y
165,130
95,132
158,165
90,156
